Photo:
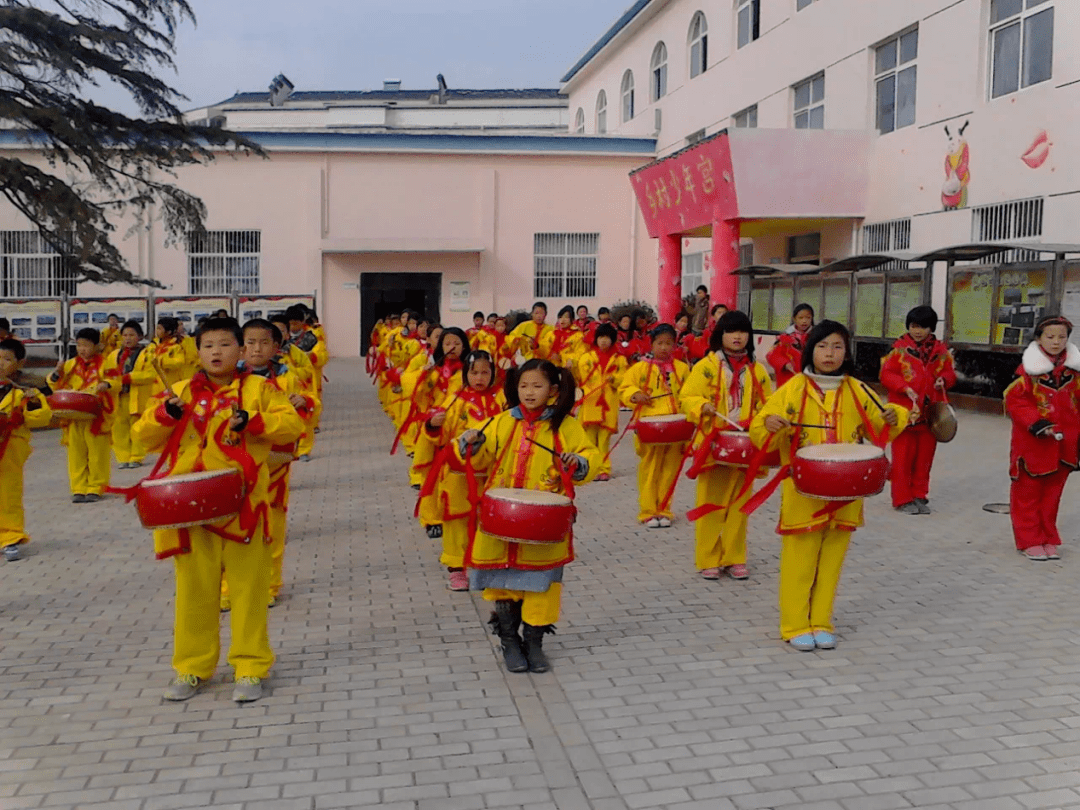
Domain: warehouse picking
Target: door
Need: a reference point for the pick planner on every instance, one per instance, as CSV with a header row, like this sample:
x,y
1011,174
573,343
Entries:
x,y
389,293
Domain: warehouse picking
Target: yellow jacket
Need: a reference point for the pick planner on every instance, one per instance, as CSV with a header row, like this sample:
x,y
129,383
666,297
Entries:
x,y
197,441
599,378
110,340
16,422
710,382
512,461
647,377
300,366
85,376
191,356
528,338
571,344
171,358
820,401
134,399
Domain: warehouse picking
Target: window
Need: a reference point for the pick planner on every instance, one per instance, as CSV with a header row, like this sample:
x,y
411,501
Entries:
x,y
801,4
695,137
693,273
746,254
810,103
747,119
579,122
699,45
804,249
1021,44
895,72
749,21
1020,219
564,265
601,113
223,262
658,66
627,96
30,267
887,237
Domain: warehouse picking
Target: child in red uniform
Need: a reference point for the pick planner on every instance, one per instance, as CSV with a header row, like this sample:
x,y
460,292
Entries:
x,y
1042,404
916,374
786,354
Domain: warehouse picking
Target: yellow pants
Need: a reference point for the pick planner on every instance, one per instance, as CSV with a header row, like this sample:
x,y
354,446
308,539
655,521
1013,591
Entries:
x,y
537,609
601,437
657,469
196,640
88,459
125,446
455,536
307,440
12,516
423,454
809,574
720,537
278,520
317,416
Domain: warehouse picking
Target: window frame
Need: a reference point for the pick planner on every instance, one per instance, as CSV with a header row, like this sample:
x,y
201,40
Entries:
x,y
23,253
748,114
559,284
658,72
892,74
579,121
753,17
698,37
812,105
601,113
626,94
802,5
228,280
1029,9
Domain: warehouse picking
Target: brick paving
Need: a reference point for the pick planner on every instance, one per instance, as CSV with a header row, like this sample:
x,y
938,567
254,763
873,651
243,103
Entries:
x,y
954,685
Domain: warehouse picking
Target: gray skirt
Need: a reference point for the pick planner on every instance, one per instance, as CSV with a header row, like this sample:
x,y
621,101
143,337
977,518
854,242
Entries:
x,y
514,579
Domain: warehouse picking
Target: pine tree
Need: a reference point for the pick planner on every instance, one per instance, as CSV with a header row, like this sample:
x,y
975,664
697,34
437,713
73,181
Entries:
x,y
100,163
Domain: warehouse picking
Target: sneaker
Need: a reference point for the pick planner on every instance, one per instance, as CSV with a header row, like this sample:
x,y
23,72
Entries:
x,y
738,572
804,642
603,477
134,465
1050,551
272,601
93,497
665,522
318,430
123,465
304,458
652,523
1035,553
434,531
12,553
183,687
226,605
910,508
710,573
824,640
416,487
459,581
247,690
924,506
78,498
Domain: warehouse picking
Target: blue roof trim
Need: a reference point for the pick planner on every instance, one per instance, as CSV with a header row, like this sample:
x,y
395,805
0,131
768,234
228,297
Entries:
x,y
453,143
612,32
328,96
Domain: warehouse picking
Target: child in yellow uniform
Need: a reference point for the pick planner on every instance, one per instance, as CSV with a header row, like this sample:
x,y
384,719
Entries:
x,y
191,351
414,415
20,410
168,353
729,383
565,343
599,373
525,580
110,336
119,366
652,388
219,420
816,532
262,344
444,499
87,440
528,336
433,388
305,333
411,342
304,374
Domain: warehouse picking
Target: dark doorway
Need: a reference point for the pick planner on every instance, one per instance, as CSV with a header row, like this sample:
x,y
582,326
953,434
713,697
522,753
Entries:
x,y
385,293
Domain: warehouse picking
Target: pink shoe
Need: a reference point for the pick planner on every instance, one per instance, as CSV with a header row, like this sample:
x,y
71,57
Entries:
x,y
459,581
738,572
710,573
1034,553
603,477
1051,552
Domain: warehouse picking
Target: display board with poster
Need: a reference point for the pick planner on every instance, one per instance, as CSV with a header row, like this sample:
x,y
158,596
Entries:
x,y
1070,303
971,293
1021,303
904,295
263,306
95,312
870,307
189,310
37,321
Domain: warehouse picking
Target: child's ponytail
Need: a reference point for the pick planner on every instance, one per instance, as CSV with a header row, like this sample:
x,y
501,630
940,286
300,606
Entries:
x,y
564,403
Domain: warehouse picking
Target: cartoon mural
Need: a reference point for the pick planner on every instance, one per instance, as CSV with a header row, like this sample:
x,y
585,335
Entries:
x,y
954,194
1039,151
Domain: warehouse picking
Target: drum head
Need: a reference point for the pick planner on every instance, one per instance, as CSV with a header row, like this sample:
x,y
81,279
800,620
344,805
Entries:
x,y
942,420
840,452
193,476
533,496
671,417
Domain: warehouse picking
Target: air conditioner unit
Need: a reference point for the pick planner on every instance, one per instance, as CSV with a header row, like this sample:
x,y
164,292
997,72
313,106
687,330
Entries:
x,y
658,115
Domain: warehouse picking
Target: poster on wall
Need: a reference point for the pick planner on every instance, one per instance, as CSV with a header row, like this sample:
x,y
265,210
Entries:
x,y
265,306
837,300
759,308
189,310
460,296
904,296
1070,301
970,301
783,301
1020,304
95,312
34,320
870,308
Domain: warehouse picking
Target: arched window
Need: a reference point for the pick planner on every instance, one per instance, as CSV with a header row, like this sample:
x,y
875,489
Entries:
x,y
579,122
601,113
627,96
699,45
658,66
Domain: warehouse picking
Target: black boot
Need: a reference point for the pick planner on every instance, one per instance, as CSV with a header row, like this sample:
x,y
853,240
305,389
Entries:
x,y
504,623
534,645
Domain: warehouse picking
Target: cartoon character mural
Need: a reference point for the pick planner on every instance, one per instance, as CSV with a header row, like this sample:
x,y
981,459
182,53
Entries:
x,y
954,194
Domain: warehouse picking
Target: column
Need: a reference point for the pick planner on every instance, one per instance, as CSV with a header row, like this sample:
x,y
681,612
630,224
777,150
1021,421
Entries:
x,y
724,287
669,298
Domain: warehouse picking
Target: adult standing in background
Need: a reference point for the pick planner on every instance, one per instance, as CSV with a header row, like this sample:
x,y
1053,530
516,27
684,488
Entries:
x,y
700,311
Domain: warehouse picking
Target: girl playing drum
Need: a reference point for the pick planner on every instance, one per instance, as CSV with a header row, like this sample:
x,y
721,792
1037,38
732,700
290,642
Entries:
x,y
599,373
538,446
824,404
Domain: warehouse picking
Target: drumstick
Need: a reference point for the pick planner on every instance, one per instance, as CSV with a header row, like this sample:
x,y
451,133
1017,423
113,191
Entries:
x,y
870,394
13,384
661,396
804,425
543,447
731,422
164,382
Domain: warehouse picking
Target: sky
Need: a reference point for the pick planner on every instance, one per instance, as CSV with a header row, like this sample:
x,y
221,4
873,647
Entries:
x,y
355,44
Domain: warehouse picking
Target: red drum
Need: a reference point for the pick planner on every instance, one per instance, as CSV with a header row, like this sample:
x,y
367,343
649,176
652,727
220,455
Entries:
x,y
190,499
839,472
734,449
77,405
282,453
671,429
526,515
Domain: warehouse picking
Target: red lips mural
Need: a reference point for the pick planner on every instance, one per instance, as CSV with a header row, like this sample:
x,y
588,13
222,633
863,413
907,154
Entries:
x,y
1039,151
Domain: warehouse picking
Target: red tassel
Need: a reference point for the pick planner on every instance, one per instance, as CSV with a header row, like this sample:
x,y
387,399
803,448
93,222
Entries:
x,y
766,491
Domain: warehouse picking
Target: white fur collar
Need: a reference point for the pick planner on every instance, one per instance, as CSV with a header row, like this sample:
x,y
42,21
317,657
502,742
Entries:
x,y
1036,362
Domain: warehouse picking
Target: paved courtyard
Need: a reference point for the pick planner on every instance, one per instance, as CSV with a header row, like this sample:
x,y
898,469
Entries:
x,y
954,686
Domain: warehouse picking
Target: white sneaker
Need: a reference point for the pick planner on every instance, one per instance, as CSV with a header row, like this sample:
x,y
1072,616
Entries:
x,y
652,523
665,523
247,690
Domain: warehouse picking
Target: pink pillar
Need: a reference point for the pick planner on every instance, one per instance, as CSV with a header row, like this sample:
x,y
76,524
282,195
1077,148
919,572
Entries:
x,y
670,293
724,287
